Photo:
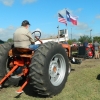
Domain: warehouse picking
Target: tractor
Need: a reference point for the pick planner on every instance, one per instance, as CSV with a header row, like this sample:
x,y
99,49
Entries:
x,y
45,69
90,51
86,52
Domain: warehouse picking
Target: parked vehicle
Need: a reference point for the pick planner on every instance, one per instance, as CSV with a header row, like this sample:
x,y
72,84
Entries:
x,y
86,52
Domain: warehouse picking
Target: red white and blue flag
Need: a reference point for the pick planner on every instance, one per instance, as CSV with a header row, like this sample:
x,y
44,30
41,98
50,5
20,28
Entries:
x,y
61,19
71,18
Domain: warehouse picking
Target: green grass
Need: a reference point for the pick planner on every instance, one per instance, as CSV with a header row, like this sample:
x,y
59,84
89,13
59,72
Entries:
x,y
82,84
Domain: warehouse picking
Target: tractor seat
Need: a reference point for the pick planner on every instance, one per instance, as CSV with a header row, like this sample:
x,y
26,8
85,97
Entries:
x,y
22,52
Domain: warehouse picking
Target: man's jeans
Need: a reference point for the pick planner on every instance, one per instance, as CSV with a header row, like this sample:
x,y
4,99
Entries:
x,y
34,47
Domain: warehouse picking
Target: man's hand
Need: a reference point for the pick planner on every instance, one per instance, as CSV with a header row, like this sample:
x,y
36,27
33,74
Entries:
x,y
32,42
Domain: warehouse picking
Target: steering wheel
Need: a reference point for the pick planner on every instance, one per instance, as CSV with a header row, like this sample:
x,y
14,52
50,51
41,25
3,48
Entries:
x,y
37,35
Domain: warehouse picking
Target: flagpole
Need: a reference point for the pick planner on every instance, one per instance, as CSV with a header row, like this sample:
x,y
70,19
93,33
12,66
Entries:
x,y
66,24
58,33
71,33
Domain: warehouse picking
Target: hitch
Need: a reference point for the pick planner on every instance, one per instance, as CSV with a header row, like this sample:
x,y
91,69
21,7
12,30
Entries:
x,y
8,74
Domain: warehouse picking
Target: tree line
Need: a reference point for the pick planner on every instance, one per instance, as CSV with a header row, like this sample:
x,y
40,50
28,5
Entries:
x,y
81,39
85,38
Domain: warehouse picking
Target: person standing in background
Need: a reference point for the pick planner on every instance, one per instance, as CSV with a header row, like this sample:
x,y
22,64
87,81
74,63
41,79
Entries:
x,y
96,48
85,44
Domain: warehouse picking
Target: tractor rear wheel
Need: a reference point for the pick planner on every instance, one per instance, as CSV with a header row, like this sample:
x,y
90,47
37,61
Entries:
x,y
4,49
49,69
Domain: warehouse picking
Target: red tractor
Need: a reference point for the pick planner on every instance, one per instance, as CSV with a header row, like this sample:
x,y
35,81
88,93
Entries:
x,y
86,52
46,68
90,51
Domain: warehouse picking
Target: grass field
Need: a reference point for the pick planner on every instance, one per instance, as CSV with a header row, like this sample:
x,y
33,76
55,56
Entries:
x,y
83,84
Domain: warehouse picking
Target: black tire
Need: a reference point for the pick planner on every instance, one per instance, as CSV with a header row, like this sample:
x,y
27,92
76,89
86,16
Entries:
x,y
40,69
4,49
69,70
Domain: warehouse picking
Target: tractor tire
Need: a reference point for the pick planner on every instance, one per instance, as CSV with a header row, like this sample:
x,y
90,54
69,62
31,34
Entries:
x,y
69,70
4,49
49,69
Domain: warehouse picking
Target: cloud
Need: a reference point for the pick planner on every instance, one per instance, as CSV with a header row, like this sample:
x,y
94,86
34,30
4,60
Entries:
x,y
79,10
7,33
38,29
98,16
11,2
7,2
63,11
79,34
76,35
82,26
43,34
1,30
28,1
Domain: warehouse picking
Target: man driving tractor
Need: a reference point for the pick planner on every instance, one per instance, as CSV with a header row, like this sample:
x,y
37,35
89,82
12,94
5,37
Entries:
x,y
23,37
46,69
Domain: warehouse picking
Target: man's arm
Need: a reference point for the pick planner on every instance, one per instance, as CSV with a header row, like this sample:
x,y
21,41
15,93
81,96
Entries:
x,y
30,37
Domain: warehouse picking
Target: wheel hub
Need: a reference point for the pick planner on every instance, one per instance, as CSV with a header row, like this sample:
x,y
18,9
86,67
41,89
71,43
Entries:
x,y
53,69
57,69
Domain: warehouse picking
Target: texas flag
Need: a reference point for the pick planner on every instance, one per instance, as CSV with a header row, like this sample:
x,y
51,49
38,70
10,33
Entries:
x,y
71,18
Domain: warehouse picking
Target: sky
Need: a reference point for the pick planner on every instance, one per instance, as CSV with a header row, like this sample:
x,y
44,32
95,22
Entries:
x,y
43,16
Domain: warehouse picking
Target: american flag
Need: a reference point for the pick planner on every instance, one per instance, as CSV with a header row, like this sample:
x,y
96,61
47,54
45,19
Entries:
x,y
61,19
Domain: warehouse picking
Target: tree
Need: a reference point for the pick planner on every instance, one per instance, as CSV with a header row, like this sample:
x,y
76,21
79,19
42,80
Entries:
x,y
74,40
71,41
10,40
96,38
1,41
85,38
